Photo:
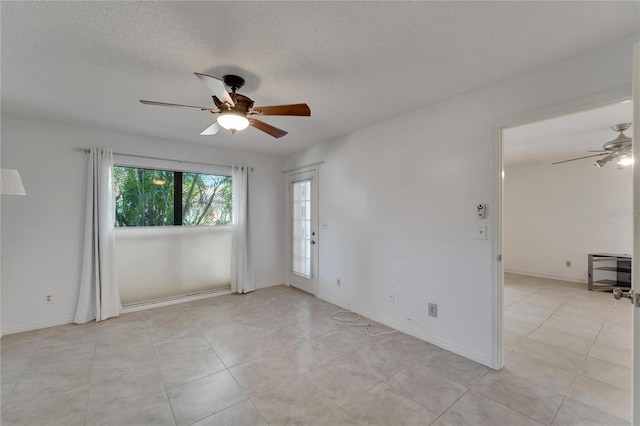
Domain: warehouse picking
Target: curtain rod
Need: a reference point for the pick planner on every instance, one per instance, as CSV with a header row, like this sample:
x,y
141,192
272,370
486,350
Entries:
x,y
87,150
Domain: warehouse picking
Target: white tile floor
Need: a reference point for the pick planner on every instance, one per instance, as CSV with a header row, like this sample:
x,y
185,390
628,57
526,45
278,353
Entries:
x,y
273,358
565,347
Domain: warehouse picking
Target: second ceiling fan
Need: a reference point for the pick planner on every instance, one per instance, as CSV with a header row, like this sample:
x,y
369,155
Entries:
x,y
236,110
616,149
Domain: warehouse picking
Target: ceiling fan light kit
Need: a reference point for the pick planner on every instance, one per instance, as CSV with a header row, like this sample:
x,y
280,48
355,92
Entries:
x,y
235,109
618,148
233,121
625,160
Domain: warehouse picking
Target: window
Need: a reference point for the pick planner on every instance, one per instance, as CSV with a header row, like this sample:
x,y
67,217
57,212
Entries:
x,y
301,227
151,197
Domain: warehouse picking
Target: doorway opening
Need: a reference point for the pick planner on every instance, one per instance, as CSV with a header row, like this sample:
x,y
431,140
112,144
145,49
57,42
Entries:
x,y
558,335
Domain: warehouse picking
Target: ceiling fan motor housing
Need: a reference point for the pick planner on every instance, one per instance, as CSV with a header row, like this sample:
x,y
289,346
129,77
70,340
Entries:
x,y
622,142
243,103
620,127
234,82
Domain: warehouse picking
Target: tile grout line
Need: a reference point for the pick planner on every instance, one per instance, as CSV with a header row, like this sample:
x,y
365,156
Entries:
x,y
155,354
503,405
15,385
256,408
565,395
582,365
209,375
22,373
93,363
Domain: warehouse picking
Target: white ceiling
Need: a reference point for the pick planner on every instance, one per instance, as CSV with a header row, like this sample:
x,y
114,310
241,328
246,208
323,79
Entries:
x,y
354,63
565,137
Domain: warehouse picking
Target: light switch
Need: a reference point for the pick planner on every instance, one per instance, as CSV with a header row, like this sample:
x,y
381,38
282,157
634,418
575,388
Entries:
x,y
325,226
481,233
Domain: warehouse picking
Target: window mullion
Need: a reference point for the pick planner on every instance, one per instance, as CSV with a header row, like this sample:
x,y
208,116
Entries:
x,y
177,198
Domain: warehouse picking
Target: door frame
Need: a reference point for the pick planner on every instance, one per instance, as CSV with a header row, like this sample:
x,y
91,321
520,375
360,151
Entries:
x,y
635,278
315,249
545,113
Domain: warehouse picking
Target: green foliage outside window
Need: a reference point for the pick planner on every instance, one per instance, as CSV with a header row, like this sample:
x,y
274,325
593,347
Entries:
x,y
146,197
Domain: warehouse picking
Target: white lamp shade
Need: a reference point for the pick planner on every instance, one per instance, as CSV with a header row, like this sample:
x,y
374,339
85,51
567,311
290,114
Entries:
x,y
233,121
11,183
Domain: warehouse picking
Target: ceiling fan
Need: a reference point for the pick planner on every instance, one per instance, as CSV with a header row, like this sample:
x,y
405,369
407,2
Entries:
x,y
618,148
236,110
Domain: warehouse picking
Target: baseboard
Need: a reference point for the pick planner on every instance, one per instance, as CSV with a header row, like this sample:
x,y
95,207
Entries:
x,y
36,325
172,301
125,310
266,285
444,344
551,277
183,299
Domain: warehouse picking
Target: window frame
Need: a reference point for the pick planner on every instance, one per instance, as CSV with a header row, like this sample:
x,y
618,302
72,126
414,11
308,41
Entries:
x,y
178,168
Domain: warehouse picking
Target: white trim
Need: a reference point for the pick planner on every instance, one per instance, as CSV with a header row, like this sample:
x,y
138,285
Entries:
x,y
125,310
551,277
635,267
184,299
170,230
37,325
311,173
304,168
410,330
135,307
267,285
567,108
497,301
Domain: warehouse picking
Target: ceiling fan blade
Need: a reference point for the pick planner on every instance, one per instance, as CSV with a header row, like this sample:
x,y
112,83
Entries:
x,y
579,158
599,150
211,130
293,109
142,101
267,128
606,159
217,87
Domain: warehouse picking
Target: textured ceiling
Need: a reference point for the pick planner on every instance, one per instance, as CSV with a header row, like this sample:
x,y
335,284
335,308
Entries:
x,y
567,136
354,63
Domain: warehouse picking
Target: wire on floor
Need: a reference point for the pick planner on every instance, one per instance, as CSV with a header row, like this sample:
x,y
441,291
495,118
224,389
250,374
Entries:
x,y
354,322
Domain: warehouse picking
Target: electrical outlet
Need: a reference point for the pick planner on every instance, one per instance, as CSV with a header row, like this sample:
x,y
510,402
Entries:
x,y
433,310
391,297
48,299
339,282
567,264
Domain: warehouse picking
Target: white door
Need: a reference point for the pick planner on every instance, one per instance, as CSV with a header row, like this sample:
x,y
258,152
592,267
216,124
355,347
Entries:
x,y
303,230
635,279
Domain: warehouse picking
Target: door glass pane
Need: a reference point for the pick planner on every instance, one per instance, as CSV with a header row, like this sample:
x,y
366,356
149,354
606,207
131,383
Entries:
x,y
301,228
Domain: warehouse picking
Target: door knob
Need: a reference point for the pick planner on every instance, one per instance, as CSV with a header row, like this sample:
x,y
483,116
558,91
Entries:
x,y
634,298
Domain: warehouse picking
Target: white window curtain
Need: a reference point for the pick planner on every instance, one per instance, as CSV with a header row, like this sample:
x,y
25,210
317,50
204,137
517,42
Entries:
x,y
242,280
99,297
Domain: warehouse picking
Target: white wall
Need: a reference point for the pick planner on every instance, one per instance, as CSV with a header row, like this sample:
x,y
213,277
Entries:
x,y
176,262
399,201
42,232
564,212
